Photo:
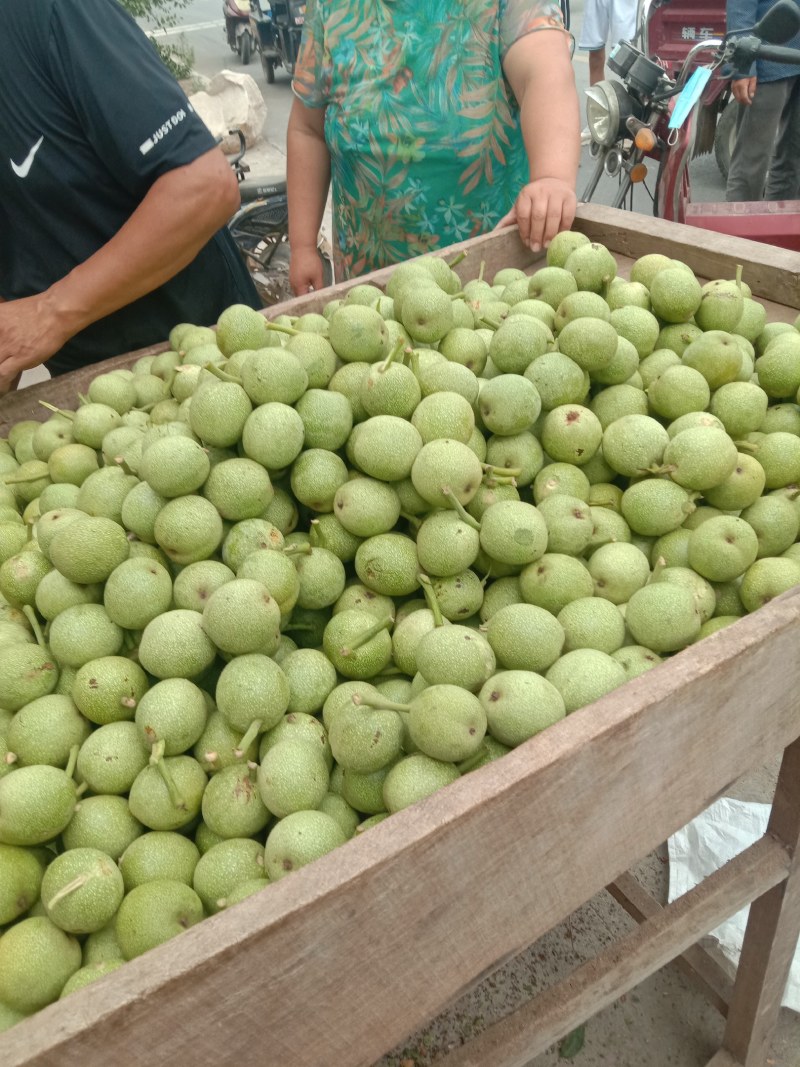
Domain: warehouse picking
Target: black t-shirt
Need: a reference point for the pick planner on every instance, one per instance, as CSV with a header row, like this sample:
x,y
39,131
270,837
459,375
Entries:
x,y
89,119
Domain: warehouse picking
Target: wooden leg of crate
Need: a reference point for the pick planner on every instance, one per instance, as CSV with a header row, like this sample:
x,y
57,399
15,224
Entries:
x,y
534,1027
695,962
771,936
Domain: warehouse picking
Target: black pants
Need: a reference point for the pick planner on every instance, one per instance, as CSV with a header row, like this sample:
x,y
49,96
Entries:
x,y
767,140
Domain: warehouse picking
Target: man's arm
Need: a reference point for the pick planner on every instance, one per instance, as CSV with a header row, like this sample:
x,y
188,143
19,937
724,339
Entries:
x,y
178,215
539,71
308,175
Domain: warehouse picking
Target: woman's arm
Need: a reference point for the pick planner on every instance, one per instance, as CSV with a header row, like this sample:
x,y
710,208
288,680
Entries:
x,y
539,71
181,211
308,174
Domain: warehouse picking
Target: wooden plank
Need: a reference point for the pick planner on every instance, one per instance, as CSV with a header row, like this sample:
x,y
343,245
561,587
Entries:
x,y
493,250
694,962
340,962
771,936
496,249
539,1023
771,272
63,390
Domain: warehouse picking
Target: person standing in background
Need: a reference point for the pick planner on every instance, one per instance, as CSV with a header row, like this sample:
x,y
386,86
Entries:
x,y
604,22
768,122
434,120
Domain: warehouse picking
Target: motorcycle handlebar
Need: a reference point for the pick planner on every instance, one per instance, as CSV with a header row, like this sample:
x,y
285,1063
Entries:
x,y
774,53
777,53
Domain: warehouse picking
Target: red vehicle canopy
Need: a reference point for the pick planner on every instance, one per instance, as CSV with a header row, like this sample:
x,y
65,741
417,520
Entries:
x,y
674,26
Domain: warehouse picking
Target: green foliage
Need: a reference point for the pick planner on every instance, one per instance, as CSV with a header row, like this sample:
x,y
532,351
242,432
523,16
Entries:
x,y
163,15
572,1043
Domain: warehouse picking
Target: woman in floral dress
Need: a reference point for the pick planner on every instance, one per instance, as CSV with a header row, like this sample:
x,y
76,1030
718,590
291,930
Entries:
x,y
436,120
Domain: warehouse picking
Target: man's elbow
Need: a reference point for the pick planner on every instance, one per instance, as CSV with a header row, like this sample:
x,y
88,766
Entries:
x,y
210,185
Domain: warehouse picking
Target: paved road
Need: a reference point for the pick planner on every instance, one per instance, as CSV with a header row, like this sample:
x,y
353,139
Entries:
x,y
202,30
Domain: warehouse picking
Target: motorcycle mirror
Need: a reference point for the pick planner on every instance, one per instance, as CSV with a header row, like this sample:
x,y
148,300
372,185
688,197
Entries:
x,y
780,23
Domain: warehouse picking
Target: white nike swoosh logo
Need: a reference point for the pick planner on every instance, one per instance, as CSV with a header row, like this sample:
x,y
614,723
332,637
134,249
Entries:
x,y
21,169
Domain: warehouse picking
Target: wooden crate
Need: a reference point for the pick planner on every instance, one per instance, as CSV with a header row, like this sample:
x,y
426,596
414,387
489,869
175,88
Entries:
x,y
337,964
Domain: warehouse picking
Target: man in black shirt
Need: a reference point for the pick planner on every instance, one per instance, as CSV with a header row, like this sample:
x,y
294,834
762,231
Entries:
x,y
113,194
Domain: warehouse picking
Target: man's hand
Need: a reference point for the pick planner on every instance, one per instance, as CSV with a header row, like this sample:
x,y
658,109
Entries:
x,y
542,209
29,334
744,89
305,270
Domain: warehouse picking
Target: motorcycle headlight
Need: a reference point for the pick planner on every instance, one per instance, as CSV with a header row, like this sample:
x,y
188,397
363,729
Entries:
x,y
608,105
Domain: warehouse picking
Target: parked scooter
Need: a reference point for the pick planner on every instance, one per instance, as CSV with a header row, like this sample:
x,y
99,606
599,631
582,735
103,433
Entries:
x,y
277,28
238,29
650,115
260,229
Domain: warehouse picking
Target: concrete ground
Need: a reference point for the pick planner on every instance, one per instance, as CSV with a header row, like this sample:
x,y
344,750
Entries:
x,y
664,1022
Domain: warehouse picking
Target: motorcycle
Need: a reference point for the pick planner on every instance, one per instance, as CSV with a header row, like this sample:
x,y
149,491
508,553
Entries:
x,y
277,27
260,229
651,115
667,29
238,28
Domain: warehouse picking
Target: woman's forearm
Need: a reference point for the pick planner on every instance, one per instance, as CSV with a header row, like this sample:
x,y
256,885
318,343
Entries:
x,y
308,173
549,132
539,70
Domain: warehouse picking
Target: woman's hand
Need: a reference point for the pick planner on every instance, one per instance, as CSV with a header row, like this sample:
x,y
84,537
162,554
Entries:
x,y
539,70
543,208
305,270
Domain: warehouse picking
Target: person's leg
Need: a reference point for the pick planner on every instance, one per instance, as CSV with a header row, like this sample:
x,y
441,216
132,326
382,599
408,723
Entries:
x,y
622,21
783,182
757,127
597,65
594,34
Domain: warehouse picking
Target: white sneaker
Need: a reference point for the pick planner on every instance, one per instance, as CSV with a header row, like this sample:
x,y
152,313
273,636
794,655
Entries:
x,y
586,137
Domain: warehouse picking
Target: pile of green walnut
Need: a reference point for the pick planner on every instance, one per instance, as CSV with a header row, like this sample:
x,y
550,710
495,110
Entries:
x,y
272,585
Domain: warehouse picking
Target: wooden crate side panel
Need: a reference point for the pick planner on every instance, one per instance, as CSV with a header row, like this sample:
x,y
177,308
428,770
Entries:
x,y
495,250
341,961
62,391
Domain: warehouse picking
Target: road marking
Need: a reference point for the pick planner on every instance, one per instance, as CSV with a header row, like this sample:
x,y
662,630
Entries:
x,y
195,27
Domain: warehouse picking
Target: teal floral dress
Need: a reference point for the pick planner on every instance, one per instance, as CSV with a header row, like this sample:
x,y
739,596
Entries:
x,y
422,128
